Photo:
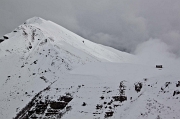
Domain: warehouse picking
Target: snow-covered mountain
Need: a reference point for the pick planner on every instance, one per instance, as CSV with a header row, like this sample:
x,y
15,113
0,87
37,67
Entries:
x,y
49,72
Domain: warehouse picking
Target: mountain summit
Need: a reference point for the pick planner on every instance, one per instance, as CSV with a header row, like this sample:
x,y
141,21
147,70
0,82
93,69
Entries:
x,y
49,72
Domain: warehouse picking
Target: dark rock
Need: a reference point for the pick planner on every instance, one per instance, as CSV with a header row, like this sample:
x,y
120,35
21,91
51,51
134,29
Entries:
x,y
102,97
30,47
167,84
51,114
145,79
178,84
66,98
68,108
159,66
35,62
138,86
5,37
109,114
44,78
122,88
109,103
1,40
120,98
109,91
176,92
84,104
98,106
58,105
30,112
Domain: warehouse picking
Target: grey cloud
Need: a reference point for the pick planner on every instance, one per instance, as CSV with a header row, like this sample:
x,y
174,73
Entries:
x,y
122,24
155,51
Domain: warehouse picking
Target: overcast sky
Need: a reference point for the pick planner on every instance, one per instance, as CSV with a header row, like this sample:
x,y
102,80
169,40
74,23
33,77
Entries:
x,y
123,24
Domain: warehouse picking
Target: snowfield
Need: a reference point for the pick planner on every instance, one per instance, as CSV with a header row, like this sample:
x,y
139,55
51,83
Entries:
x,y
49,72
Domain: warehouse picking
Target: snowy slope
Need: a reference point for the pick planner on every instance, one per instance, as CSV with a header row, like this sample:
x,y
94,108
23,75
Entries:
x,y
157,98
49,72
37,49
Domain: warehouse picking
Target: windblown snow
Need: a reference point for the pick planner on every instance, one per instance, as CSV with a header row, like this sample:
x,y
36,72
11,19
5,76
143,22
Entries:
x,y
49,72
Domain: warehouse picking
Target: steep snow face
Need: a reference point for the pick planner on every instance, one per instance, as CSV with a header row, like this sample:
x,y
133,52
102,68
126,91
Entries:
x,y
36,33
36,54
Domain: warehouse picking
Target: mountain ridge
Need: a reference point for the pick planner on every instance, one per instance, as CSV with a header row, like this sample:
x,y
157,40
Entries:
x,y
49,72
37,50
